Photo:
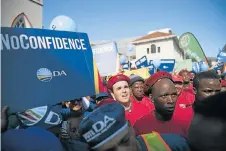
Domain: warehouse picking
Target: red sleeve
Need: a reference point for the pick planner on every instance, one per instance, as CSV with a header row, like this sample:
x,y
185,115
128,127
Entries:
x,y
148,104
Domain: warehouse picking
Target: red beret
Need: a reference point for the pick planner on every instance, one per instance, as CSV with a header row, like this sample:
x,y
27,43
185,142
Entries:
x,y
154,78
117,78
184,70
223,83
177,79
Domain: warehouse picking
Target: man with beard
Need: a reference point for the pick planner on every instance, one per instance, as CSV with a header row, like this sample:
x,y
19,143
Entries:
x,y
118,87
137,89
163,93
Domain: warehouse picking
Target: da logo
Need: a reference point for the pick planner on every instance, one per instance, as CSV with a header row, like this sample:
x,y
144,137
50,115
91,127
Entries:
x,y
45,75
184,41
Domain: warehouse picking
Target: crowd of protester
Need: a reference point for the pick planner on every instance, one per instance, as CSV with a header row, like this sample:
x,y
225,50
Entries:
x,y
165,112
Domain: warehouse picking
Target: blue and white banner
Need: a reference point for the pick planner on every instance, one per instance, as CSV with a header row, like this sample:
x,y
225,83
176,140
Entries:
x,y
127,66
167,65
151,69
221,57
142,62
44,67
106,57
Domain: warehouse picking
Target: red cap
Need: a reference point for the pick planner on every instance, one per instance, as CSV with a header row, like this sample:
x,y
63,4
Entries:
x,y
154,78
106,101
177,79
117,78
184,70
223,83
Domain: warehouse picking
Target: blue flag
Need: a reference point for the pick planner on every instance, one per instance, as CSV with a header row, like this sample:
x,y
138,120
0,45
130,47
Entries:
x,y
221,57
142,62
167,65
44,67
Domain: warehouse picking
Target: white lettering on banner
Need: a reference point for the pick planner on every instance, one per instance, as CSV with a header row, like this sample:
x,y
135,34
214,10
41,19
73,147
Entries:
x,y
33,42
98,128
65,43
102,50
22,44
49,118
48,42
59,73
15,42
59,43
41,42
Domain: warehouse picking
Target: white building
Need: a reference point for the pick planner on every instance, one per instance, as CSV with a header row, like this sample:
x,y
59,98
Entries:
x,y
21,13
162,44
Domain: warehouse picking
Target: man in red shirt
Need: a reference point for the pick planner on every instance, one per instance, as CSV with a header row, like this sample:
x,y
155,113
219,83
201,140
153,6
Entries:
x,y
187,86
162,91
118,87
205,84
137,89
187,99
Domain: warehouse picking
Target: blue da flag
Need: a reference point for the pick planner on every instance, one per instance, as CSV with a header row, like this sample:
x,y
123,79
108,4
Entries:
x,y
219,66
167,65
142,62
151,69
127,66
44,67
105,56
221,57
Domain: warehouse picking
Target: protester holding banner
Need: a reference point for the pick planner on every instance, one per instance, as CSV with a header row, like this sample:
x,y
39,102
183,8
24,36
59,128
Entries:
x,y
118,86
137,89
162,92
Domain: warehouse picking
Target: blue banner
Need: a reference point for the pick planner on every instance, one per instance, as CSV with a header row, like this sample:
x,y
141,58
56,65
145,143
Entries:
x,y
127,66
221,57
142,62
105,56
167,65
44,67
151,69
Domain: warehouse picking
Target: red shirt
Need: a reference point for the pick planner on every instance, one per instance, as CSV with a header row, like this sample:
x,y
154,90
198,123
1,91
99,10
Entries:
x,y
185,99
189,89
145,101
149,123
138,110
184,115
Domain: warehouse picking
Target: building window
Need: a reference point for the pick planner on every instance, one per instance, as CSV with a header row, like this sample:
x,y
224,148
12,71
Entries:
x,y
158,49
21,21
153,48
147,50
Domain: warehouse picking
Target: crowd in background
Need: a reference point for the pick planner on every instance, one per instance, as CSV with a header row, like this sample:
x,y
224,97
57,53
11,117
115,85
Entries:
x,y
166,112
